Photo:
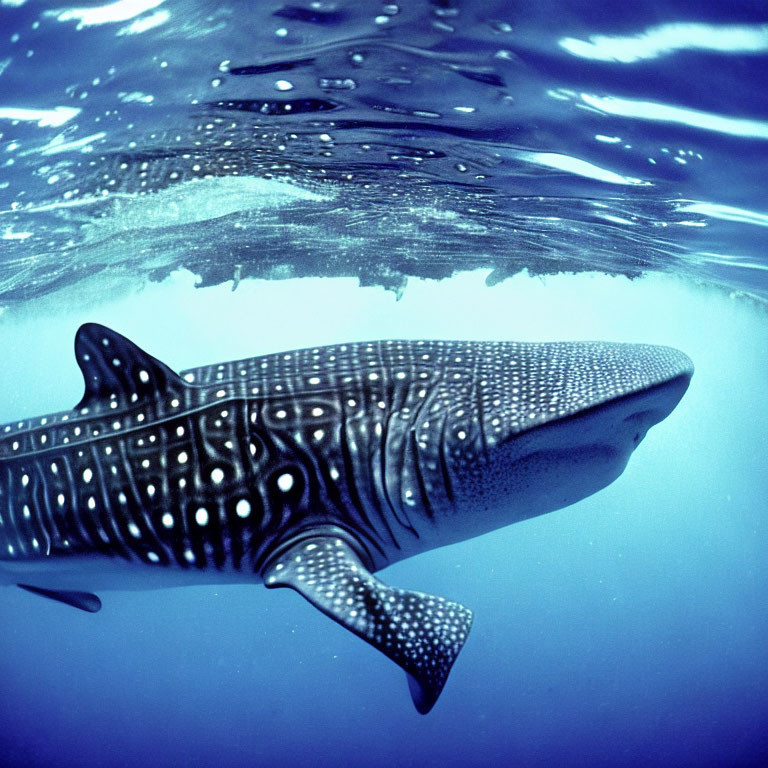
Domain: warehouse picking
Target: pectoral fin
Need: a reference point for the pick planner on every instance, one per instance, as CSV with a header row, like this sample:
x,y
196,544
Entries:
x,y
85,601
421,633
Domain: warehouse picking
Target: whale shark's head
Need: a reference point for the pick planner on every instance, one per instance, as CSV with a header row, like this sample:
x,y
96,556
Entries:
x,y
546,425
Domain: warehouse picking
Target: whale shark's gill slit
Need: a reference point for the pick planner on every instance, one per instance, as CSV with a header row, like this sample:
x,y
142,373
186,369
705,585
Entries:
x,y
75,534
219,477
351,476
422,406
444,469
41,497
139,535
384,470
264,514
10,523
103,514
423,492
204,511
399,445
236,525
477,396
57,491
39,502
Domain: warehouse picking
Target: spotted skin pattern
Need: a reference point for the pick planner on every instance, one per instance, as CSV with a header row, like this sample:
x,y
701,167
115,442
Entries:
x,y
359,454
421,633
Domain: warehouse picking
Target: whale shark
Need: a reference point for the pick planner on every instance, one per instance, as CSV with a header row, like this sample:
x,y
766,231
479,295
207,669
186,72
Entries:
x,y
316,468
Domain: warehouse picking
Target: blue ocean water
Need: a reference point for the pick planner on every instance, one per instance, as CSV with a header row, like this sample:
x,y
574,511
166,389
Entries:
x,y
222,181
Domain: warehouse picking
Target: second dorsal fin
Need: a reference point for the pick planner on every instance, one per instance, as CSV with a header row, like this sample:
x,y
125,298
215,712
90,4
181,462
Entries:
x,y
114,366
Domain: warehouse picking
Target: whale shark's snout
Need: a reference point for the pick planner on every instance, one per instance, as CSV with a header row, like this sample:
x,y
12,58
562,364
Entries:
x,y
537,384
557,422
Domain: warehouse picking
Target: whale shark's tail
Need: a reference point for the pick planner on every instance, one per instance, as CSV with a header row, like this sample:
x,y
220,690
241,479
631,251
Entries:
x,y
421,633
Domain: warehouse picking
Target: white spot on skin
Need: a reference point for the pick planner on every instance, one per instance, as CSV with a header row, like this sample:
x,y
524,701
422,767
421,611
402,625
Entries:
x,y
285,482
201,516
189,555
183,457
217,475
60,499
243,508
87,475
180,431
25,480
153,557
167,520
317,411
134,530
144,376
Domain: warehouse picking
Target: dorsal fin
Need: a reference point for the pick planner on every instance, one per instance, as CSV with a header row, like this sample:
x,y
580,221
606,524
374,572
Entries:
x,y
114,365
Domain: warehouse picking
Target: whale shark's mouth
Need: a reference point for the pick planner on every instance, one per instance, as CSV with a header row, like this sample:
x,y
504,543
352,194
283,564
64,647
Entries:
x,y
560,462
